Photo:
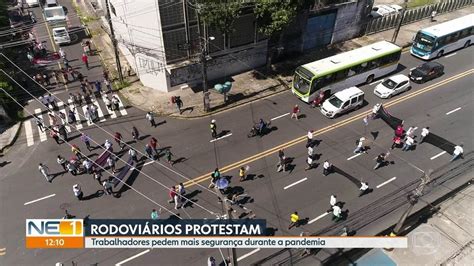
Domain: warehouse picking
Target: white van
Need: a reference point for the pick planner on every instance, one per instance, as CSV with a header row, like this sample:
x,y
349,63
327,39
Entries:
x,y
55,14
342,102
31,3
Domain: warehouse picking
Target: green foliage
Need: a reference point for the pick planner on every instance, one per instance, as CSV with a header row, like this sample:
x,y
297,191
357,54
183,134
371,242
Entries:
x,y
220,14
275,15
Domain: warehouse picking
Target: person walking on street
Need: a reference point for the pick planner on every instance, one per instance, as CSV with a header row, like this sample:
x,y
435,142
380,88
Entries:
x,y
108,144
364,188
53,134
88,166
360,146
327,168
295,112
309,162
77,191
411,132
71,168
149,151
179,103
97,175
171,194
458,152
408,143
108,85
119,139
44,170
153,144
62,53
135,134
242,174
108,103
107,184
281,161
216,175
182,193
213,127
133,154
396,142
85,60
294,220
115,102
39,122
62,161
154,215
310,151
309,139
151,118
424,132
168,156
87,140
336,213
111,163
333,200
77,152
380,160
177,201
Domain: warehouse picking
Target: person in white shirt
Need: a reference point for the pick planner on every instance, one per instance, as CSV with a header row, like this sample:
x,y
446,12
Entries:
x,y
107,144
77,191
375,110
408,143
45,171
333,200
62,53
336,213
360,145
364,188
111,163
458,152
327,167
87,165
411,132
424,132
310,138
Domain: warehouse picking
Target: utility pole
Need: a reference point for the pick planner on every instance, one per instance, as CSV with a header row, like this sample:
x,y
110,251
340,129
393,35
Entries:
x,y
203,60
114,42
228,211
397,29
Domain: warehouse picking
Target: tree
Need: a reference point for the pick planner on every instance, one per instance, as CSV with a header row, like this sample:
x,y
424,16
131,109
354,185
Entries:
x,y
220,14
274,16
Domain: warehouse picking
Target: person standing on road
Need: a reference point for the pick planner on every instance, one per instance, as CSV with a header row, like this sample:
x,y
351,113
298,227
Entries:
x,y
242,174
309,162
119,139
281,161
294,220
97,175
408,143
54,134
424,132
71,117
327,168
336,213
364,188
108,103
115,102
360,146
88,166
154,215
458,152
87,140
380,160
171,194
108,85
309,139
396,142
85,60
44,170
333,200
149,152
71,168
107,184
169,156
111,163
77,191
411,132
39,122
133,154
295,112
151,118
153,144
107,144
62,161
62,53
77,152
135,134
213,127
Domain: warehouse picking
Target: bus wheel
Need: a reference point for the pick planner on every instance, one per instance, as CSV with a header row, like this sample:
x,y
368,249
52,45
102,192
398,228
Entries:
x,y
440,53
467,44
370,79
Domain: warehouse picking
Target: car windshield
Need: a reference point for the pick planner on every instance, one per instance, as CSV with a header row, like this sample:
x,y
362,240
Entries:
x,y
335,101
425,68
53,12
300,84
424,42
389,84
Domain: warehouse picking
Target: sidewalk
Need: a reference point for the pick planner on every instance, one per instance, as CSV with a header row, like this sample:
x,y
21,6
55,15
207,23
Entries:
x,y
248,86
8,137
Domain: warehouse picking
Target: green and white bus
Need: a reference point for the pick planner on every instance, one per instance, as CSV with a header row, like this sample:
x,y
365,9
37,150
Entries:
x,y
345,70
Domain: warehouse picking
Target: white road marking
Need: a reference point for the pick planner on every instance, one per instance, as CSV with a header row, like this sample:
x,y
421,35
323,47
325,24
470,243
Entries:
x,y
121,107
111,113
296,183
248,254
449,55
133,257
76,114
60,106
386,182
228,135
437,155
319,217
99,111
280,116
452,111
36,200
30,139
353,156
150,162
375,82
84,109
42,134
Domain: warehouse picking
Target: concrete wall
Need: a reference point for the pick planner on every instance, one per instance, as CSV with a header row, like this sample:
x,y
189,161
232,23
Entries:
x,y
350,20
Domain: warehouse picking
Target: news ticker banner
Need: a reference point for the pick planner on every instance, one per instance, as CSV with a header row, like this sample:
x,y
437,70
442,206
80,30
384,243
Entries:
x,y
101,233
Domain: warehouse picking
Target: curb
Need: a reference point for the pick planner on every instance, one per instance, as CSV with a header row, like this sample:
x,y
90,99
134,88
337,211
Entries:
x,y
15,137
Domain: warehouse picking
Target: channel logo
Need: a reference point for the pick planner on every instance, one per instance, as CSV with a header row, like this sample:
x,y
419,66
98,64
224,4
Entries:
x,y
54,233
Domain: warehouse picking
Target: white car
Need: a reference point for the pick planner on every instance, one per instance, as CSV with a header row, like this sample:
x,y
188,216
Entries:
x,y
61,36
384,10
392,86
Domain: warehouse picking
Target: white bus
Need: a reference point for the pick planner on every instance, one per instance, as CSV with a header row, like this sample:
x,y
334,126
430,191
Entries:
x,y
443,38
345,70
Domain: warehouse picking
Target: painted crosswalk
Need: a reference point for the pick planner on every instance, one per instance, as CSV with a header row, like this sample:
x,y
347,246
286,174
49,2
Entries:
x,y
34,133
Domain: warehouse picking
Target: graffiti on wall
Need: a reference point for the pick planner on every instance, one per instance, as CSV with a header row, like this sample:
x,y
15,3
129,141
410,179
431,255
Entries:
x,y
149,65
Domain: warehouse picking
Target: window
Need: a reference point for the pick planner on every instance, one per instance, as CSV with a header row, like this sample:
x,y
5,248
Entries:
x,y
353,100
402,84
345,105
465,33
314,86
342,74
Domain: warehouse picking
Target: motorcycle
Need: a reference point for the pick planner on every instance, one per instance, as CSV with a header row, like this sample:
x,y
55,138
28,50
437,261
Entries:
x,y
254,131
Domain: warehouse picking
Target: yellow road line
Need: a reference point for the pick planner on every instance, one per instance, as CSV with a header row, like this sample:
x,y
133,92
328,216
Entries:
x,y
298,140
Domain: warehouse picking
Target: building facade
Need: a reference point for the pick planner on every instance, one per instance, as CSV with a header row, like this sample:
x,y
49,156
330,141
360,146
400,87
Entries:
x,y
161,38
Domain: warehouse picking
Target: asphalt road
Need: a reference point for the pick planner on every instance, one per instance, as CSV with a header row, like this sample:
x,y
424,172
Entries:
x,y
275,195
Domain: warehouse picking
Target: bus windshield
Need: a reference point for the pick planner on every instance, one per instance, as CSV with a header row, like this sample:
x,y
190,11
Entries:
x,y
300,84
336,102
424,42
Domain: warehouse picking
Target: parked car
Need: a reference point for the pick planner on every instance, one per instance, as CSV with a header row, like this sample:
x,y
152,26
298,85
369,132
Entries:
x,y
426,71
392,86
61,36
384,10
31,3
342,102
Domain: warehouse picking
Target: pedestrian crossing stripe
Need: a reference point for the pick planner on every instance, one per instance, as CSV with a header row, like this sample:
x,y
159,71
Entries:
x,y
63,121
31,127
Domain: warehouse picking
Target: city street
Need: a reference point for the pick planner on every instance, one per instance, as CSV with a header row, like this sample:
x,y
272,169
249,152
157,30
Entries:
x,y
443,104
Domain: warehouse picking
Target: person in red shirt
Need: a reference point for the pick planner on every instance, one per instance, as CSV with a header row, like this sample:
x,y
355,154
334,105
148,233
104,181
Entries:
x,y
172,193
295,112
118,139
153,144
399,131
85,60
